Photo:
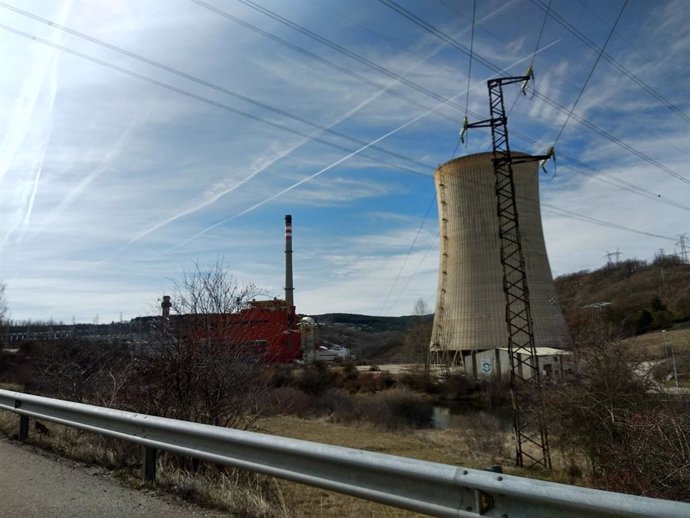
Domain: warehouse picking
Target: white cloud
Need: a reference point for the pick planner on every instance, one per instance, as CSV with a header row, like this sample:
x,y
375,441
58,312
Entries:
x,y
106,177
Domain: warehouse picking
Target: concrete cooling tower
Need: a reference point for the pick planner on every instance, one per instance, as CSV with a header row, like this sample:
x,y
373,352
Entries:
x,y
470,302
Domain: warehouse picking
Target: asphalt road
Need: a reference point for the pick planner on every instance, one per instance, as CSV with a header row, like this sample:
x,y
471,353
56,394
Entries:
x,y
35,484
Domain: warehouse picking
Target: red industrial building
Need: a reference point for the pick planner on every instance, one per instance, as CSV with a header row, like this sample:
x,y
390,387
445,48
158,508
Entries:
x,y
267,329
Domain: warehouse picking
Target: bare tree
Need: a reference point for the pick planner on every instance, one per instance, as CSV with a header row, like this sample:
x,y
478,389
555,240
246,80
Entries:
x,y
202,367
79,370
633,439
211,291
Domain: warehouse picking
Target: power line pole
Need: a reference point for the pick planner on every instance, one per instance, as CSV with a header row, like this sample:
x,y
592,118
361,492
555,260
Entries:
x,y
683,243
531,438
608,256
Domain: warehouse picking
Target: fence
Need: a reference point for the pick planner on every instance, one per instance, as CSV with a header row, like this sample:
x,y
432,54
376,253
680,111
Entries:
x,y
425,487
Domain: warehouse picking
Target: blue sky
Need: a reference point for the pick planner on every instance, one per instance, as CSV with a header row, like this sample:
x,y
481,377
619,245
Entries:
x,y
137,138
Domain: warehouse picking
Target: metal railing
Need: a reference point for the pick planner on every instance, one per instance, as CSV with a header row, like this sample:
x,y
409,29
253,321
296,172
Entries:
x,y
425,487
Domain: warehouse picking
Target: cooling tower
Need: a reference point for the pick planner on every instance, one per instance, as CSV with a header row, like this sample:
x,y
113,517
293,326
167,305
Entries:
x,y
470,302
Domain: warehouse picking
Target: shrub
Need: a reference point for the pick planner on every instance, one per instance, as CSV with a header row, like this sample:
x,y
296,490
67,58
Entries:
x,y
458,386
485,434
396,409
350,371
420,382
634,442
316,378
286,401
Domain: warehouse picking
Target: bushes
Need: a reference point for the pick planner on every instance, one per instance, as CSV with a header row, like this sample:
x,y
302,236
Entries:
x,y
396,409
392,409
315,379
420,382
346,395
633,440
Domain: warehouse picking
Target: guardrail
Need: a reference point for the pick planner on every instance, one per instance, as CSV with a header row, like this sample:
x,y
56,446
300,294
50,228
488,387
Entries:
x,y
425,487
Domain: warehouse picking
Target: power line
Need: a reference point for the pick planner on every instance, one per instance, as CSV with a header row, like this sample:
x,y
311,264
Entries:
x,y
206,100
245,114
463,49
469,76
454,43
534,55
469,72
588,169
591,72
311,55
615,140
619,66
541,31
553,104
409,252
205,83
197,97
342,50
603,223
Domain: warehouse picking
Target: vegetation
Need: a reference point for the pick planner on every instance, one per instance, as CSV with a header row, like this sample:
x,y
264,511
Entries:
x,y
379,339
633,439
185,372
630,298
610,427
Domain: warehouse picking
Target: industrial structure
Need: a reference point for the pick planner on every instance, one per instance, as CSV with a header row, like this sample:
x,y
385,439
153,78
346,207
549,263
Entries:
x,y
470,301
524,270
265,330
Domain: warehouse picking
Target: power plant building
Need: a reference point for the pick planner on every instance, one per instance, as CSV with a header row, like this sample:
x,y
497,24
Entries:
x,y
470,301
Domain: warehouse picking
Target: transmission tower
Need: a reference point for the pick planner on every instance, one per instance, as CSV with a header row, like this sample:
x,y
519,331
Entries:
x,y
617,254
531,438
683,243
608,256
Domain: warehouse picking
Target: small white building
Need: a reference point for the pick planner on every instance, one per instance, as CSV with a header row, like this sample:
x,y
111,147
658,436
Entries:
x,y
554,364
312,350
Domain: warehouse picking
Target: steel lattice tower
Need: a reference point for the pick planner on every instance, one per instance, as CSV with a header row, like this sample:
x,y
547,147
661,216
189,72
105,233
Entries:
x,y
531,438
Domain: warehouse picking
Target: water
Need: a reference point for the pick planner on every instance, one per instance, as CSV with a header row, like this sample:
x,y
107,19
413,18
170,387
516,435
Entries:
x,y
456,414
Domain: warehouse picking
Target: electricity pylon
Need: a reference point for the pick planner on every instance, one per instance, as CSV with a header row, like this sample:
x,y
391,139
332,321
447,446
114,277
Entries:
x,y
531,437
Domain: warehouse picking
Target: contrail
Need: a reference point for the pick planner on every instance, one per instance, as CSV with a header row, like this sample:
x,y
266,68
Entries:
x,y
103,166
311,177
22,124
217,196
263,167
39,166
259,169
346,157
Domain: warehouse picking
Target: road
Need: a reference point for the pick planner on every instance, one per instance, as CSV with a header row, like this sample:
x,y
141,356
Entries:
x,y
35,484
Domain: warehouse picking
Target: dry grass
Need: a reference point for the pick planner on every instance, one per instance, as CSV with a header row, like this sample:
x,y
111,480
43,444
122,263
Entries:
x,y
651,346
11,386
240,493
478,446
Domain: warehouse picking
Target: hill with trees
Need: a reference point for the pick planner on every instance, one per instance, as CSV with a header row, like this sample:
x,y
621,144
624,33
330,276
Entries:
x,y
632,297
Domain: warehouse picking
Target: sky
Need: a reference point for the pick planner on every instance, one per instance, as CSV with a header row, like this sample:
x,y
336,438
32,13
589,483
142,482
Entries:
x,y
139,138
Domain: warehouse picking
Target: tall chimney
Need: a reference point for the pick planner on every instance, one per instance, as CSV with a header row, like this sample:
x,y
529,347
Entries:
x,y
165,306
289,289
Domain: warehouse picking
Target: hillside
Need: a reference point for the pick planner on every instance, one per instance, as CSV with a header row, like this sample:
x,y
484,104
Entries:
x,y
377,338
633,296
369,323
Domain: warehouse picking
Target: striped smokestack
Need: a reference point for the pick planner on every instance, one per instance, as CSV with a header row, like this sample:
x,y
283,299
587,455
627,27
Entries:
x,y
289,289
